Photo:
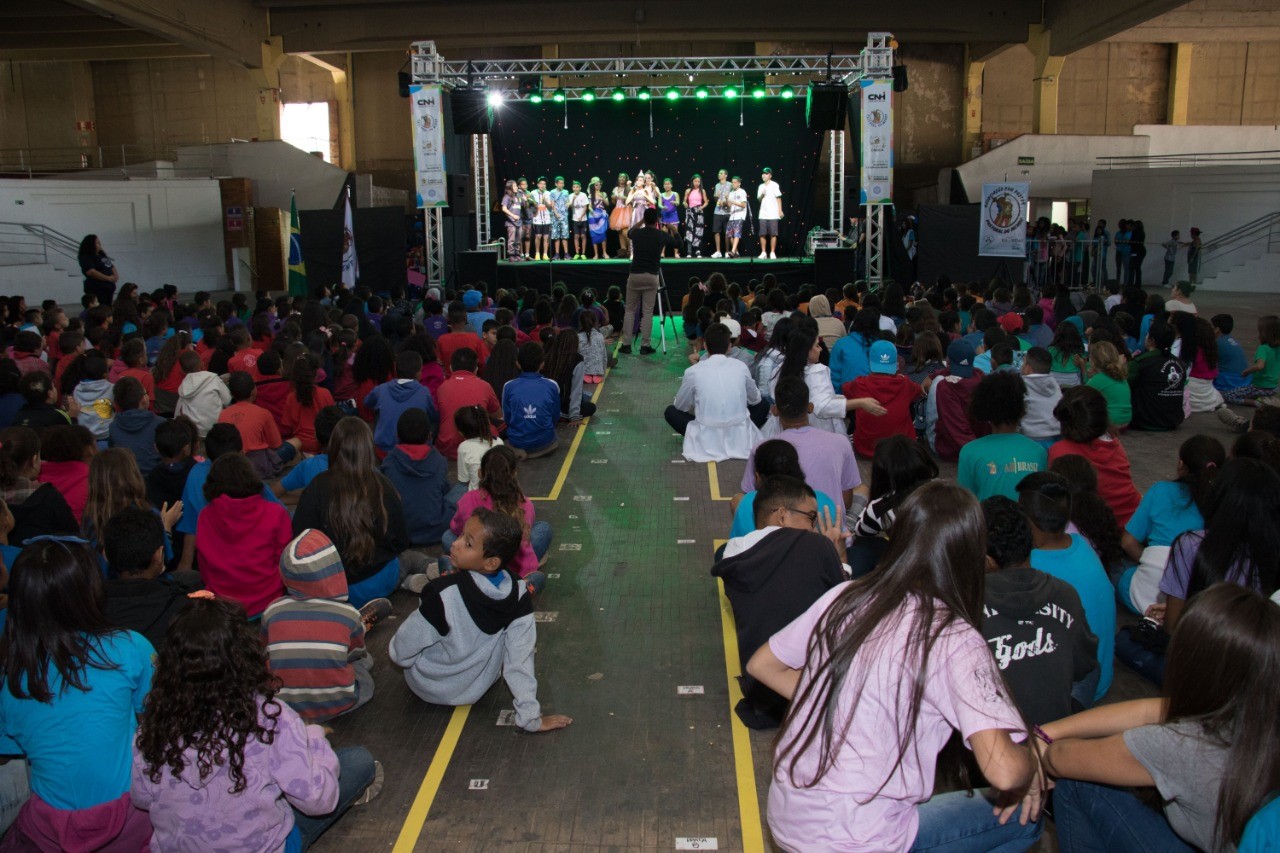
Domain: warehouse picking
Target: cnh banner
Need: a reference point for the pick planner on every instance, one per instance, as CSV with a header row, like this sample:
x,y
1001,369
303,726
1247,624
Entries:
x,y
428,145
1002,222
877,143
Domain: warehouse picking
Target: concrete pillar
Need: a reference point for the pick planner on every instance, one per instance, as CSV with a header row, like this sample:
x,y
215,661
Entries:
x,y
971,142
267,78
1179,83
342,86
1044,117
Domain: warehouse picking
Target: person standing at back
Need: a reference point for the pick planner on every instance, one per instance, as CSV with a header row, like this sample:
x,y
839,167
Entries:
x,y
647,244
769,195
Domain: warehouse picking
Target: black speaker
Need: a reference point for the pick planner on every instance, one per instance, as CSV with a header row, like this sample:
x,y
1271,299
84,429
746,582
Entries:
x,y
477,266
470,110
826,106
459,195
834,268
899,78
403,80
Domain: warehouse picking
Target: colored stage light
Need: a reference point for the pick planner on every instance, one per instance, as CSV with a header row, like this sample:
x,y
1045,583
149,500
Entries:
x,y
619,94
535,98
495,99
673,94
643,93
588,94
730,92
787,94
558,96
755,87
702,93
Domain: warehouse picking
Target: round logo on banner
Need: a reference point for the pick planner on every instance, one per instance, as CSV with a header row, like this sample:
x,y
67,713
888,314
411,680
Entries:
x,y
876,118
1005,209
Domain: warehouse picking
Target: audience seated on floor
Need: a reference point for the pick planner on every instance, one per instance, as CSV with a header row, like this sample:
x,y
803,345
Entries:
x,y
716,405
139,595
995,463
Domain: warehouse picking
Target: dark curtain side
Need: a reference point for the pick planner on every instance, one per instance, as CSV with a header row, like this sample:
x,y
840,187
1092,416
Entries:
x,y
606,137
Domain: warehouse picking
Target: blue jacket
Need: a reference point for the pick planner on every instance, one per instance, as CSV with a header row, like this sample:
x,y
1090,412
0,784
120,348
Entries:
x,y
423,483
135,430
391,400
531,408
849,360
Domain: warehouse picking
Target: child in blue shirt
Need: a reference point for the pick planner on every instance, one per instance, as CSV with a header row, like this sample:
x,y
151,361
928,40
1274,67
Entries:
x,y
301,475
531,405
391,399
1232,360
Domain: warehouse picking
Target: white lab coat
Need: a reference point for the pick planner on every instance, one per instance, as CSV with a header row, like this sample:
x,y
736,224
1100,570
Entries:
x,y
828,406
718,390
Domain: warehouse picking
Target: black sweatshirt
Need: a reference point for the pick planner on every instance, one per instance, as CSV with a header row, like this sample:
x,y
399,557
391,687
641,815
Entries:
x,y
646,248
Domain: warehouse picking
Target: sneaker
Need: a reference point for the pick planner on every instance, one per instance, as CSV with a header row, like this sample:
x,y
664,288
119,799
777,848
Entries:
x,y
375,787
1231,419
764,256
535,582
773,256
647,350
415,583
374,612
625,349
717,255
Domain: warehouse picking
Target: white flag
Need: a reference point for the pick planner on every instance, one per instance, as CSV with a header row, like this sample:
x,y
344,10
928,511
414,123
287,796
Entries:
x,y
350,263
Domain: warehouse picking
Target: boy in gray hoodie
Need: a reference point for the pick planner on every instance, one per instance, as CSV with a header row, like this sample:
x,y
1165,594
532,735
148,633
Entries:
x,y
96,396
475,625
202,395
1043,393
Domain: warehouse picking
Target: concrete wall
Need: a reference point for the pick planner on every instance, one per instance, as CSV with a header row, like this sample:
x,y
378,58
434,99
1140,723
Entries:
x,y
384,140
1110,87
1235,83
157,232
927,117
1215,199
40,103
1166,139
275,169
1064,165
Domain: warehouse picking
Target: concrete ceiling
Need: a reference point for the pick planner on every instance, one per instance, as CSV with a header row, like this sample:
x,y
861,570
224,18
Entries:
x,y
234,30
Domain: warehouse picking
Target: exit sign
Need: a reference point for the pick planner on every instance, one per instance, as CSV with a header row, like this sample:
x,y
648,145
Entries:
x,y
1026,161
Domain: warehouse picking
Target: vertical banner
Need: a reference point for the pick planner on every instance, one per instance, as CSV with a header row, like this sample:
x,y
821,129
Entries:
x,y
297,265
877,143
428,145
1002,223
350,261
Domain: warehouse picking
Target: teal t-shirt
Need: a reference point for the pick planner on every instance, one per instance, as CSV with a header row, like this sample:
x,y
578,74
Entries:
x,y
1166,512
1079,566
995,464
1269,375
1118,396
744,520
80,745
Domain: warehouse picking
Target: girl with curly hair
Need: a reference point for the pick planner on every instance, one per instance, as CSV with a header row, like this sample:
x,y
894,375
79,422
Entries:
x,y
220,762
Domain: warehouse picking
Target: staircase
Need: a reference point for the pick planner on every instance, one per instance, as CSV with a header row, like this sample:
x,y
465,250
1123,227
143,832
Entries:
x,y
37,260
1245,259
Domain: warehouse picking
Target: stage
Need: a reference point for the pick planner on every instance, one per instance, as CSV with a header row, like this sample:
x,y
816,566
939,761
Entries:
x,y
601,275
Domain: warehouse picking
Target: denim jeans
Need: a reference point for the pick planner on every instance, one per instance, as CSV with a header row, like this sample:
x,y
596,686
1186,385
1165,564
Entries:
x,y
959,823
1147,663
355,772
377,585
14,790
1100,818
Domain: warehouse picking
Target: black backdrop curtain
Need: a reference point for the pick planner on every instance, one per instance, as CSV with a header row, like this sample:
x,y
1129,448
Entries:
x,y
948,240
606,137
380,242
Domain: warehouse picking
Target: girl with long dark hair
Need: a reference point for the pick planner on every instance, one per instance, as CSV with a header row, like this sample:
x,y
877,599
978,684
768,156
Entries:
x,y
374,363
565,366
100,272
801,360
501,366
880,671
360,511
769,359
1068,352
73,687
1090,515
1209,744
221,763
305,400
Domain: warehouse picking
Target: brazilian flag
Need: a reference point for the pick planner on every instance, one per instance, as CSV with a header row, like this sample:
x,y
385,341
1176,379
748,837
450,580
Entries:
x,y
297,266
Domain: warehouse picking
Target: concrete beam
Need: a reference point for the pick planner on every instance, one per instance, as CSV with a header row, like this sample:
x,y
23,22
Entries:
x,y
1076,24
232,30
98,54
267,77
390,25
971,141
1210,21
1179,83
1048,68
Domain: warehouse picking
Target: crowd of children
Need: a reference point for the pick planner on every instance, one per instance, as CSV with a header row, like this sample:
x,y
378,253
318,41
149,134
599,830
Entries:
x,y
206,507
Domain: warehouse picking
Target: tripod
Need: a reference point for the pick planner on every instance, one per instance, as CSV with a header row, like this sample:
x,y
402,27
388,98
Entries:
x,y
663,303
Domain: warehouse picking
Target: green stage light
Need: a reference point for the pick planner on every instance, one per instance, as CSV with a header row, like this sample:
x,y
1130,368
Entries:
x,y
535,98
755,86
673,94
730,92
788,93
643,93
588,94
758,92
619,94
558,96
702,93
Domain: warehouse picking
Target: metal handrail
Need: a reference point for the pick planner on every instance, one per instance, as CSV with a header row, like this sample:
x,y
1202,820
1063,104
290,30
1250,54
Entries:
x,y
1238,234
42,239
1192,158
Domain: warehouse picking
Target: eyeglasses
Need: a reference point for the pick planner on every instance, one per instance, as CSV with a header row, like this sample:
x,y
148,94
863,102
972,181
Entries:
x,y
812,515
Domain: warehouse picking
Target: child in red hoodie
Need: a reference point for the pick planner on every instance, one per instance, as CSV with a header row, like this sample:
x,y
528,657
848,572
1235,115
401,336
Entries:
x,y
240,536
65,452
890,389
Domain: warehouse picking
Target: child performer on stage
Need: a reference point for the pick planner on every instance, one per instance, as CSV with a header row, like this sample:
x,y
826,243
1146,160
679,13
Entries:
x,y
695,201
511,219
541,222
620,219
578,206
720,220
598,222
640,199
770,197
737,201
526,215
560,219
670,200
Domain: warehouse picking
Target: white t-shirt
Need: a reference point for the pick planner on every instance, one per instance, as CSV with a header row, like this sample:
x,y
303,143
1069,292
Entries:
x,y
578,203
738,195
770,207
470,452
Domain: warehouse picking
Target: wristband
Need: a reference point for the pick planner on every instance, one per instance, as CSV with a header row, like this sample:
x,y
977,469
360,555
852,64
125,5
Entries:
x,y
1040,733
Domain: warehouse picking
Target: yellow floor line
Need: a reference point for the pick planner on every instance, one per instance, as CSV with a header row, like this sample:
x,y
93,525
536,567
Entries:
x,y
417,816
714,474
573,448
744,765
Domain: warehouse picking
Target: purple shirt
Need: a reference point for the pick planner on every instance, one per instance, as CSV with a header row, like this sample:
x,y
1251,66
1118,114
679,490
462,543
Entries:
x,y
826,458
1182,557
844,811
297,769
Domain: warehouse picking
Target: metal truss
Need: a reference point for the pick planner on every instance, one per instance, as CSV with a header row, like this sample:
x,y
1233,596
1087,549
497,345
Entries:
x,y
835,183
480,185
874,231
